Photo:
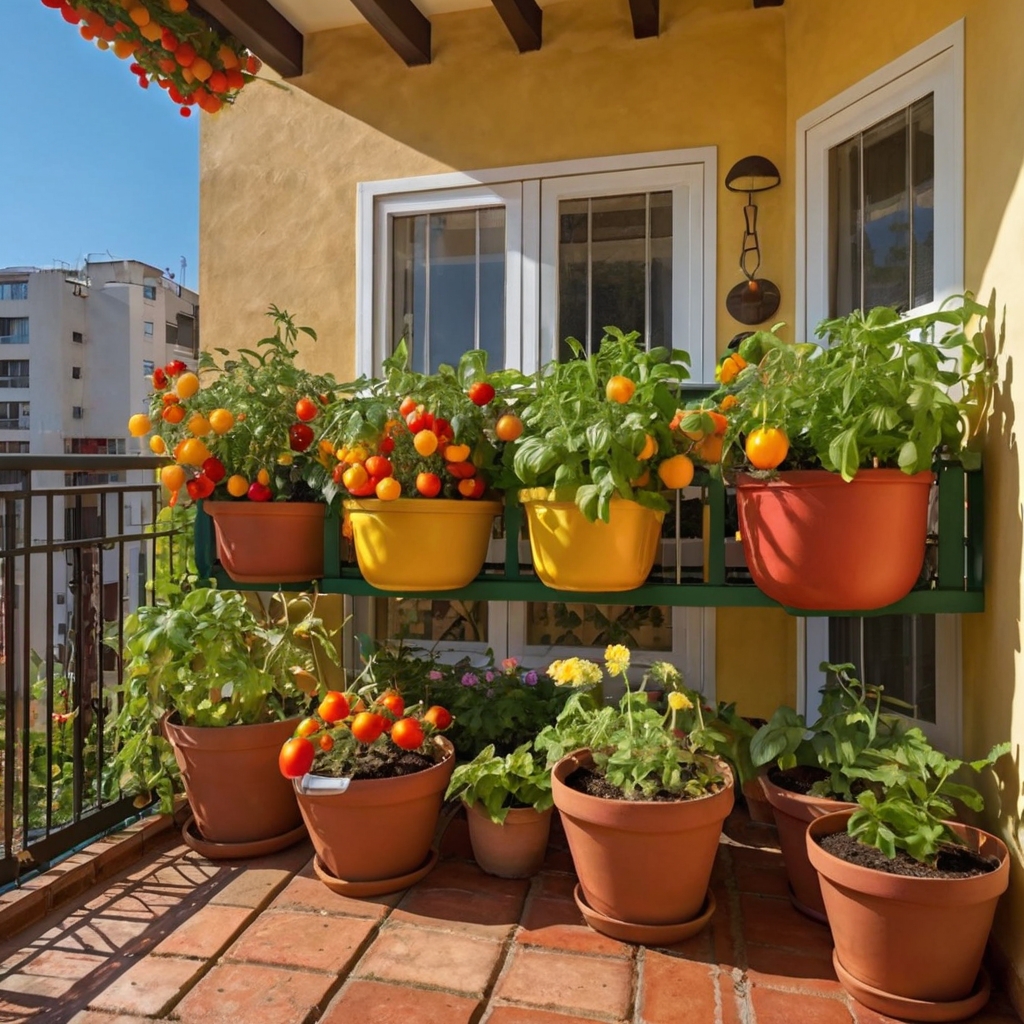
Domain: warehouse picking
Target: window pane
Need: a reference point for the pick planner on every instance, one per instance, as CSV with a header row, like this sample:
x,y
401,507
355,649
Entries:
x,y
409,287
427,621
896,652
618,253
661,270
452,309
492,285
558,624
922,151
573,247
886,214
844,227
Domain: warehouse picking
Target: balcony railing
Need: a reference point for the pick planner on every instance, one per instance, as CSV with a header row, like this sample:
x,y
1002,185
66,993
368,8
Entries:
x,y
13,339
73,562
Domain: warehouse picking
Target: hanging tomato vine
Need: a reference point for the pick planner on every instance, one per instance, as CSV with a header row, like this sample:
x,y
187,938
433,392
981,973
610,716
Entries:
x,y
180,51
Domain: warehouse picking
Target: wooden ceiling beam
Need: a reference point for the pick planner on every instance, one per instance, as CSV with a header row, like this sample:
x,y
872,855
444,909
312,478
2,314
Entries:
x,y
646,18
263,29
523,20
402,25
768,3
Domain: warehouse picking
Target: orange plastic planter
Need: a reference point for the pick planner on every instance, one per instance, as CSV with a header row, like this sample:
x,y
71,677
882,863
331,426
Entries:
x,y
814,541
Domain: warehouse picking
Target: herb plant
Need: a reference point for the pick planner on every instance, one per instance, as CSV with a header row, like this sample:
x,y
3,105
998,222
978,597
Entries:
x,y
598,425
499,784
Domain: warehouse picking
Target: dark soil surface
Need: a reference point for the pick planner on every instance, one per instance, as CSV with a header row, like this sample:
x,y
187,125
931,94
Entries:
x,y
593,783
388,764
953,861
798,779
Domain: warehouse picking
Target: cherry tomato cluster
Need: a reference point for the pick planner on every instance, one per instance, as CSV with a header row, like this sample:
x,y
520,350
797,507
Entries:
x,y
345,723
171,46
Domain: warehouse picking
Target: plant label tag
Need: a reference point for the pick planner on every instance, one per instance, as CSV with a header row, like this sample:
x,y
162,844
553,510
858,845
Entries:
x,y
321,784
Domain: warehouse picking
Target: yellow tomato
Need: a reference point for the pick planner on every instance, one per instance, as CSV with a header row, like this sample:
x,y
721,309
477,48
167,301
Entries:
x,y
139,425
238,486
388,489
172,477
263,477
354,477
619,389
456,453
199,425
157,445
221,421
425,442
193,452
187,386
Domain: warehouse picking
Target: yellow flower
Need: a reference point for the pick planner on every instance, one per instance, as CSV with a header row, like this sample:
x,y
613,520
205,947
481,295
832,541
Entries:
x,y
616,659
574,672
679,701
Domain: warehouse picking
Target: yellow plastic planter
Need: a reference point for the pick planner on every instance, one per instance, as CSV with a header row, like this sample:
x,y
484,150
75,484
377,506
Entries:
x,y
415,544
571,554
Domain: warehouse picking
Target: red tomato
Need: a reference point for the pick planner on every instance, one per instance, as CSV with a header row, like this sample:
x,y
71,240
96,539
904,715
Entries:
x,y
407,406
416,420
407,733
480,393
199,487
175,367
214,469
394,703
300,437
338,472
428,484
461,470
367,727
305,409
438,717
326,742
159,379
307,727
334,707
296,757
428,421
378,466
387,445
259,492
366,490
472,488
443,429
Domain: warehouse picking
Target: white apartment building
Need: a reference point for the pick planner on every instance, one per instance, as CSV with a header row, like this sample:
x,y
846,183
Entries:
x,y
76,350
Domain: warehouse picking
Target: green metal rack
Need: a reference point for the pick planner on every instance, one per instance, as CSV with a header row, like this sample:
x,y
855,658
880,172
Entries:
x,y
954,581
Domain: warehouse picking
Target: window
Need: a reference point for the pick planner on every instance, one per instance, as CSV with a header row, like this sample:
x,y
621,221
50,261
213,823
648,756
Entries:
x,y
94,446
147,328
147,367
171,334
13,289
13,373
14,416
13,330
77,338
76,373
14,447
77,412
149,290
187,334
882,222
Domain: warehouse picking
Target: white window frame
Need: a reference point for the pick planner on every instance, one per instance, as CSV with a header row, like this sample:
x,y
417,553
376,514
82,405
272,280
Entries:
x,y
935,66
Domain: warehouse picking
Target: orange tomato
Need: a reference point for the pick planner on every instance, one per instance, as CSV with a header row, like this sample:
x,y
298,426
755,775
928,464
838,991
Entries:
x,y
173,414
172,477
676,472
157,445
456,453
334,707
187,385
643,480
307,727
425,442
709,449
649,449
508,428
388,489
619,389
767,447
729,402
237,486
354,477
730,367
139,425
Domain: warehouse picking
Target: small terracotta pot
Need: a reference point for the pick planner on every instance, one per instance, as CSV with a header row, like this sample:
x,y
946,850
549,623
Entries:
x,y
232,780
758,807
638,861
793,812
276,541
378,828
917,939
513,849
814,541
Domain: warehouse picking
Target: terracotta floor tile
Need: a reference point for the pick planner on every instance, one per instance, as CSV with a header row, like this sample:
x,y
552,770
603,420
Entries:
x,y
781,968
104,933
759,871
288,939
149,987
417,956
732,998
92,1017
699,947
488,914
307,893
774,922
524,1015
204,932
468,877
575,984
558,924
673,989
55,963
372,1002
771,1007
38,986
554,885
455,842
248,994
559,860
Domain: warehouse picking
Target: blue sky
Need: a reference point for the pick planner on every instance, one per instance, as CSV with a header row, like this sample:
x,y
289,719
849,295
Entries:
x,y
89,162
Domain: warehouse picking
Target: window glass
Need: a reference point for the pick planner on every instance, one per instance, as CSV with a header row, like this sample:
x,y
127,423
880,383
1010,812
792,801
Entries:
x,y
14,330
14,290
149,291
147,367
427,622
14,415
147,328
561,624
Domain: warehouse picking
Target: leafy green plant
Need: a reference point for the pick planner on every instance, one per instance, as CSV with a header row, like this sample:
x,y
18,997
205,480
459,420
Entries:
x,y
585,429
910,797
637,748
850,723
882,391
215,658
498,784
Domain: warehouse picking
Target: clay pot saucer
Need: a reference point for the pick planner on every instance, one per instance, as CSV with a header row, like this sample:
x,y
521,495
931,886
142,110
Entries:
x,y
376,887
644,934
239,851
914,1009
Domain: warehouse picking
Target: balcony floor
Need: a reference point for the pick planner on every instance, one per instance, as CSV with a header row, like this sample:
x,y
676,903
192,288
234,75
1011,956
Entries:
x,y
177,937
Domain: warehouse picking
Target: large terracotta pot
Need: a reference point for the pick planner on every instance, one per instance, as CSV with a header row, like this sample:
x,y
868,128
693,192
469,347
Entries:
x,y
919,940
642,862
513,849
565,546
408,544
269,541
378,828
793,812
232,780
814,541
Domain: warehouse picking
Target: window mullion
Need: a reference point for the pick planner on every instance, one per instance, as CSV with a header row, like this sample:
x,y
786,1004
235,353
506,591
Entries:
x,y
590,274
476,268
426,300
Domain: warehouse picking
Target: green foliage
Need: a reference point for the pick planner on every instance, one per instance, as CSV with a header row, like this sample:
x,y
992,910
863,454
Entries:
x,y
850,725
500,783
734,747
882,391
910,796
579,442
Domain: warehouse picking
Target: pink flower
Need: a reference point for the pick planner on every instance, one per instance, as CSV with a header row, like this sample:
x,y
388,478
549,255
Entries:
x,y
509,665
434,676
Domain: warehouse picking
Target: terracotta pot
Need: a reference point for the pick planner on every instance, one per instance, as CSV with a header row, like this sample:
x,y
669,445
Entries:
x,y
793,812
379,828
513,849
758,807
232,780
269,541
914,938
813,541
642,862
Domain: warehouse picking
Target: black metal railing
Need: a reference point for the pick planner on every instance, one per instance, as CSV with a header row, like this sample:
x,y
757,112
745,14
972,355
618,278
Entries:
x,y
74,561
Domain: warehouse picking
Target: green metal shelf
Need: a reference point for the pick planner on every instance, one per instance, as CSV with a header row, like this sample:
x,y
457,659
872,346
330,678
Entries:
x,y
956,584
